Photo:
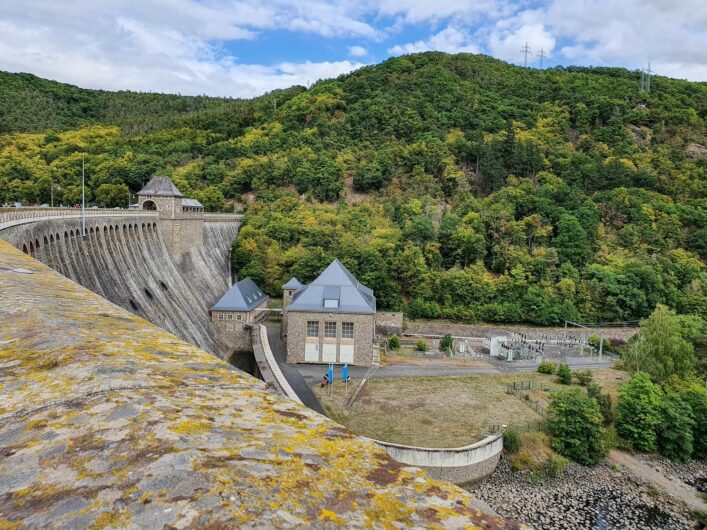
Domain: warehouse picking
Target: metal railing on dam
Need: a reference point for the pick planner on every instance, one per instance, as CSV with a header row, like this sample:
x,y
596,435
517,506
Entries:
x,y
14,216
107,421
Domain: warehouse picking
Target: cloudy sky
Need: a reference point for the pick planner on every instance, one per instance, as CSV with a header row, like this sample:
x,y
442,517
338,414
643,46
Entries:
x,y
243,48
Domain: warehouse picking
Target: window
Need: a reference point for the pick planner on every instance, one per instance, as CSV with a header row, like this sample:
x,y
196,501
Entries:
x,y
229,317
312,328
330,330
220,316
347,330
332,303
238,317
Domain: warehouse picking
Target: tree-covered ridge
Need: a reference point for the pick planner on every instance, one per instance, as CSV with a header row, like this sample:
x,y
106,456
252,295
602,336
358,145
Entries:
x,y
454,185
31,104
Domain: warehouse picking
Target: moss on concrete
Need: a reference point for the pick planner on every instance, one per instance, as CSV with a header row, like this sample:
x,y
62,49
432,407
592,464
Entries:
x,y
106,421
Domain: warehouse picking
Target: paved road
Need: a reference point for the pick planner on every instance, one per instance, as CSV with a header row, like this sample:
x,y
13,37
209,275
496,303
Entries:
x,y
303,376
293,376
313,373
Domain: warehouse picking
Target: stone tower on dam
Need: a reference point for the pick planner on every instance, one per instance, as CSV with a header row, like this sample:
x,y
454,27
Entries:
x,y
166,261
181,219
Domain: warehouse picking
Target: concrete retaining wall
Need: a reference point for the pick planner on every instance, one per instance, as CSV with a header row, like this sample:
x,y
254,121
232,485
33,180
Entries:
x,y
458,464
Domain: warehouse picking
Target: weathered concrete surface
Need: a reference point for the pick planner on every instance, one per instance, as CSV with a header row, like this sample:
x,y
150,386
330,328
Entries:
x,y
124,259
107,421
458,464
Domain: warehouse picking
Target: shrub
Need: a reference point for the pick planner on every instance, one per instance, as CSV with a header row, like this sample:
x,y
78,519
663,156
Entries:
x,y
693,392
638,414
421,345
522,460
564,374
547,367
584,377
619,365
603,400
574,420
394,343
555,466
511,441
675,430
446,343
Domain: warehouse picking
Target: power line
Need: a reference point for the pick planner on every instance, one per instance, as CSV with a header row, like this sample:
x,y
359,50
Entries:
x,y
542,55
525,50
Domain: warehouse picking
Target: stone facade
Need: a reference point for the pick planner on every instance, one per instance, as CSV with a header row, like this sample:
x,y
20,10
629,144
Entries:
x,y
181,228
287,297
233,329
388,323
330,349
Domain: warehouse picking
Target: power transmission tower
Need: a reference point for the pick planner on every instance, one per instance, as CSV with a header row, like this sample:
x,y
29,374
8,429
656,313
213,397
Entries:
x,y
542,55
525,50
646,79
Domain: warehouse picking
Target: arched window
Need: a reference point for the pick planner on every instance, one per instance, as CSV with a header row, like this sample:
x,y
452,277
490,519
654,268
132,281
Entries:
x,y
149,205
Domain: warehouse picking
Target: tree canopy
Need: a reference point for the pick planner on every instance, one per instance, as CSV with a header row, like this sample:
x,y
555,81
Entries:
x,y
455,186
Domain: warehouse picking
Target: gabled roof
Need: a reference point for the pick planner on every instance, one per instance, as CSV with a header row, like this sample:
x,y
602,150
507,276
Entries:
x,y
243,296
192,203
335,283
160,187
294,283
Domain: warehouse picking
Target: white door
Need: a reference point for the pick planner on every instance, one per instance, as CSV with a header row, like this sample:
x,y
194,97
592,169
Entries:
x,y
346,353
329,353
311,352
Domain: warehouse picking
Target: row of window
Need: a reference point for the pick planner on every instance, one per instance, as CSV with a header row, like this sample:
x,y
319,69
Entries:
x,y
229,316
347,329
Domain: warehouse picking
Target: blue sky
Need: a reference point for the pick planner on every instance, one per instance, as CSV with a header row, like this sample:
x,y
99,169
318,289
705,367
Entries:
x,y
243,48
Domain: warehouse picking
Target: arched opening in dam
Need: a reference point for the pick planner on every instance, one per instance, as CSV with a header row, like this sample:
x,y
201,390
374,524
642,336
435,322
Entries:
x,y
149,205
245,361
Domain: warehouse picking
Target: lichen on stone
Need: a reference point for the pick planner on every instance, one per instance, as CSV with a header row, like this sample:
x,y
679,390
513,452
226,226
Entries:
x,y
107,421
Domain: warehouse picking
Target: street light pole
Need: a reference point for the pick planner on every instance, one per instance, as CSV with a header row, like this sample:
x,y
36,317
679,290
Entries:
x,y
83,195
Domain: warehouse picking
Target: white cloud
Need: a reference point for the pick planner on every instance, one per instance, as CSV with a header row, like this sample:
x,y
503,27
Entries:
x,y
179,45
510,34
418,11
357,51
450,40
171,47
631,32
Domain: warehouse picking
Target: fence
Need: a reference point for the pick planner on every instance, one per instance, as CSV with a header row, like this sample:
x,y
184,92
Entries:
x,y
521,390
527,427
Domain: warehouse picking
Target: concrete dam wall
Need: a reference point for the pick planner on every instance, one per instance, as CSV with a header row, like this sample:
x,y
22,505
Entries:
x,y
124,259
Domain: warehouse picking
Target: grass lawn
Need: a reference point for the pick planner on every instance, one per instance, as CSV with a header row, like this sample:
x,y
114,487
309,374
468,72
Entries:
x,y
441,411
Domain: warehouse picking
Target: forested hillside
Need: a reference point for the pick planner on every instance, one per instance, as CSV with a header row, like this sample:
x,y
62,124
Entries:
x,y
453,185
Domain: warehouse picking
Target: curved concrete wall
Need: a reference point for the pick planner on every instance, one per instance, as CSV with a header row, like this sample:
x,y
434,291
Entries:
x,y
458,464
124,259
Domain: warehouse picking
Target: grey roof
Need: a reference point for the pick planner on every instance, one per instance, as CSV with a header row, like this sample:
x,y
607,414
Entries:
x,y
243,296
192,203
335,283
294,283
160,187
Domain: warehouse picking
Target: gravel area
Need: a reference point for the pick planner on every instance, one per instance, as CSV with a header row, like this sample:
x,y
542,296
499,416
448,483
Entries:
x,y
601,497
693,473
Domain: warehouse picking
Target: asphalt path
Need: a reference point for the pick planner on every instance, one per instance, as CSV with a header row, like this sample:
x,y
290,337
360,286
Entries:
x,y
293,376
302,377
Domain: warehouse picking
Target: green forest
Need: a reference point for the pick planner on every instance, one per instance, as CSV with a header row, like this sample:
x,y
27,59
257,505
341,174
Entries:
x,y
455,186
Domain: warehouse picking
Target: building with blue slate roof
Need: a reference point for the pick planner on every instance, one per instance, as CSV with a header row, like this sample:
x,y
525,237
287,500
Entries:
x,y
243,305
330,320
